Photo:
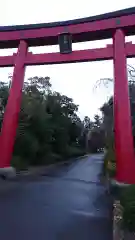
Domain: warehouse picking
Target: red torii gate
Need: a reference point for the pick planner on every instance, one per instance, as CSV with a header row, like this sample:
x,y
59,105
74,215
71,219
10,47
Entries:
x,y
111,25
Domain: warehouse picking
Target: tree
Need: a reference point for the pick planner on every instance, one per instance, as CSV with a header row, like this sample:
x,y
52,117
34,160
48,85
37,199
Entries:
x,y
97,121
49,126
107,108
93,134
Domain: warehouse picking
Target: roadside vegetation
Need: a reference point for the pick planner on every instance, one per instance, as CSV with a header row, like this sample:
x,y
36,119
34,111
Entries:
x,y
126,195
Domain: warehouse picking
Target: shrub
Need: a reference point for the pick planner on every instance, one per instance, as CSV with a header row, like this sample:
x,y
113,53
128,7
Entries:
x,y
127,199
19,164
109,166
74,152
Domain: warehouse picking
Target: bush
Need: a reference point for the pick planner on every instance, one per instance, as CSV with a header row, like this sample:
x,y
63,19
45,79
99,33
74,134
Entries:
x,y
109,166
73,151
19,164
127,199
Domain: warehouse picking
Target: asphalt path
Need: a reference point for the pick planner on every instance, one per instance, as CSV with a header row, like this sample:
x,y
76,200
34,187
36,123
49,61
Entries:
x,y
66,203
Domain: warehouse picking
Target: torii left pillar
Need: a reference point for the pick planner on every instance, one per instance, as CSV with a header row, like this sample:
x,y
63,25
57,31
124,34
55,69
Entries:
x,y
11,115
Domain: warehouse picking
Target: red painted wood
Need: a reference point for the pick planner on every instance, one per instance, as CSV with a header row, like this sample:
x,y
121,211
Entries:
x,y
98,30
7,61
122,117
75,56
130,49
10,121
57,58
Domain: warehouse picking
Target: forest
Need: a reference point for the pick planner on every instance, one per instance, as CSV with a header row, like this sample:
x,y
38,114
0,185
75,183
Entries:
x,y
50,129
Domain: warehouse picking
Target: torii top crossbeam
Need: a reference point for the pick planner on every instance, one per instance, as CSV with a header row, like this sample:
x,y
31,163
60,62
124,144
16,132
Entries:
x,y
84,29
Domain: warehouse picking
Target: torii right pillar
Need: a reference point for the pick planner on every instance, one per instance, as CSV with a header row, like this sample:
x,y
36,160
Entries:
x,y
124,149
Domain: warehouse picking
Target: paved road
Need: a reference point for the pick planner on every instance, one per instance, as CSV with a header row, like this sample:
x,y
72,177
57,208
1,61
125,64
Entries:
x,y
66,204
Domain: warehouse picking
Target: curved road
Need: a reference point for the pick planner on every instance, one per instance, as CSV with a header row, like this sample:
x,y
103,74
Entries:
x,y
66,204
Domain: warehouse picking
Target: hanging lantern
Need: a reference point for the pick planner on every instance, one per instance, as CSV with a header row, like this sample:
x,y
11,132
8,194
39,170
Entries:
x,y
65,42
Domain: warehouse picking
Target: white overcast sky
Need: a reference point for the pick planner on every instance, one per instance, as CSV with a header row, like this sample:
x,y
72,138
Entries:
x,y
74,80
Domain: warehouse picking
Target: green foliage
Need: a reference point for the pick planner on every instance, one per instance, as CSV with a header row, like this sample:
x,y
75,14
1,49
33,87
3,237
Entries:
x,y
126,194
49,128
94,134
127,200
109,166
96,140
19,164
107,111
